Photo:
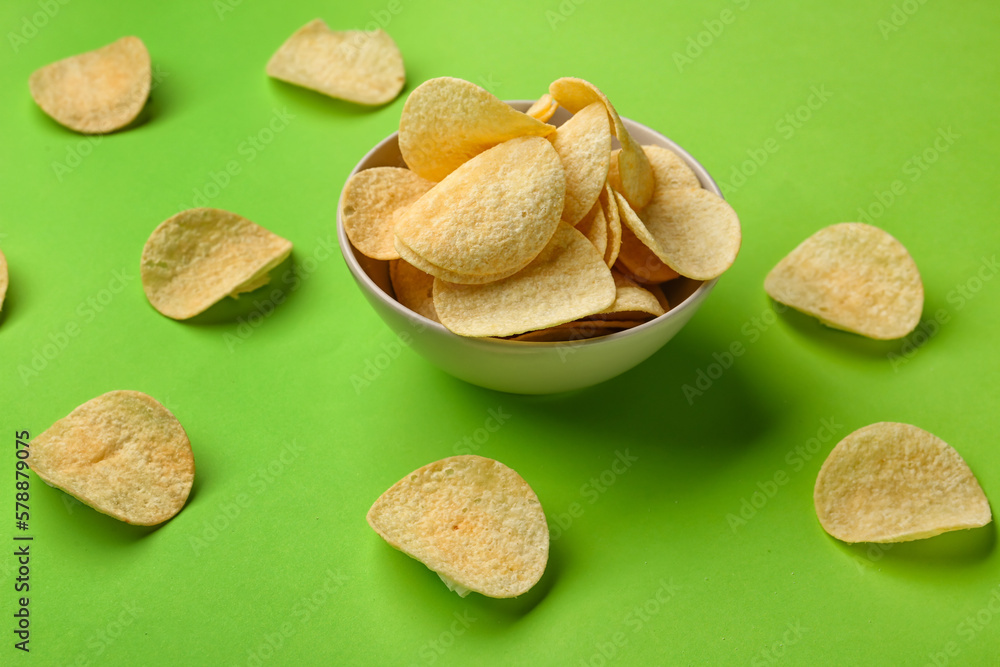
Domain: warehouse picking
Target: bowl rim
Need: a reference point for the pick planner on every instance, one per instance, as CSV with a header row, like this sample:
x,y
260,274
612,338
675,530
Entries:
x,y
347,251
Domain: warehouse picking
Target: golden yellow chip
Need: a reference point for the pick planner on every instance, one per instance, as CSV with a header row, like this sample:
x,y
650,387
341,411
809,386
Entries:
x,y
97,91
368,203
446,122
631,301
633,166
195,258
583,144
576,330
413,288
669,170
123,454
852,276
891,482
543,108
464,279
642,264
595,227
354,65
609,205
3,279
472,520
567,281
492,215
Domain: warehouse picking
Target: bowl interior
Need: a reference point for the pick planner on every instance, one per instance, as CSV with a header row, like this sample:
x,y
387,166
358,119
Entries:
x,y
374,274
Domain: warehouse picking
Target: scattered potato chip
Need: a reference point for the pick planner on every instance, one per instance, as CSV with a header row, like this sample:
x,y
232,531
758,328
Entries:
x,y
98,91
633,166
854,277
584,145
355,65
568,280
446,122
121,453
492,215
195,258
3,279
595,227
543,108
368,203
891,482
472,520
413,288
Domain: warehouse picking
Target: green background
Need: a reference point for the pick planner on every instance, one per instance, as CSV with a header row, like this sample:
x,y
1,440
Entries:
x,y
299,418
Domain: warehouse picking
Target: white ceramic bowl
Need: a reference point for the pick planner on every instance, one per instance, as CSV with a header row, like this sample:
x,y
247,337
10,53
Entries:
x,y
525,367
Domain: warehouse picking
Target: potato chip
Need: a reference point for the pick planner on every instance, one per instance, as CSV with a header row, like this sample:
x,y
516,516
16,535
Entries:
x,y
97,91
472,520
642,264
567,281
691,230
576,330
669,170
195,258
368,203
631,301
3,279
543,108
854,277
413,288
583,144
633,166
121,453
354,65
609,205
465,279
595,228
492,215
891,482
446,122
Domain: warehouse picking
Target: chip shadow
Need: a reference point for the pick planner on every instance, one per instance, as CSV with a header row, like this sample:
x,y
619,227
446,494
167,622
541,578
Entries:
x,y
321,103
954,549
256,306
811,328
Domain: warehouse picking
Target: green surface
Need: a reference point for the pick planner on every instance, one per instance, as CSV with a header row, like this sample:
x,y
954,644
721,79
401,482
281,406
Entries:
x,y
271,562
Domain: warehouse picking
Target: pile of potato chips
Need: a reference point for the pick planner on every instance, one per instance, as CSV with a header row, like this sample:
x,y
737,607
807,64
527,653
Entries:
x,y
507,226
